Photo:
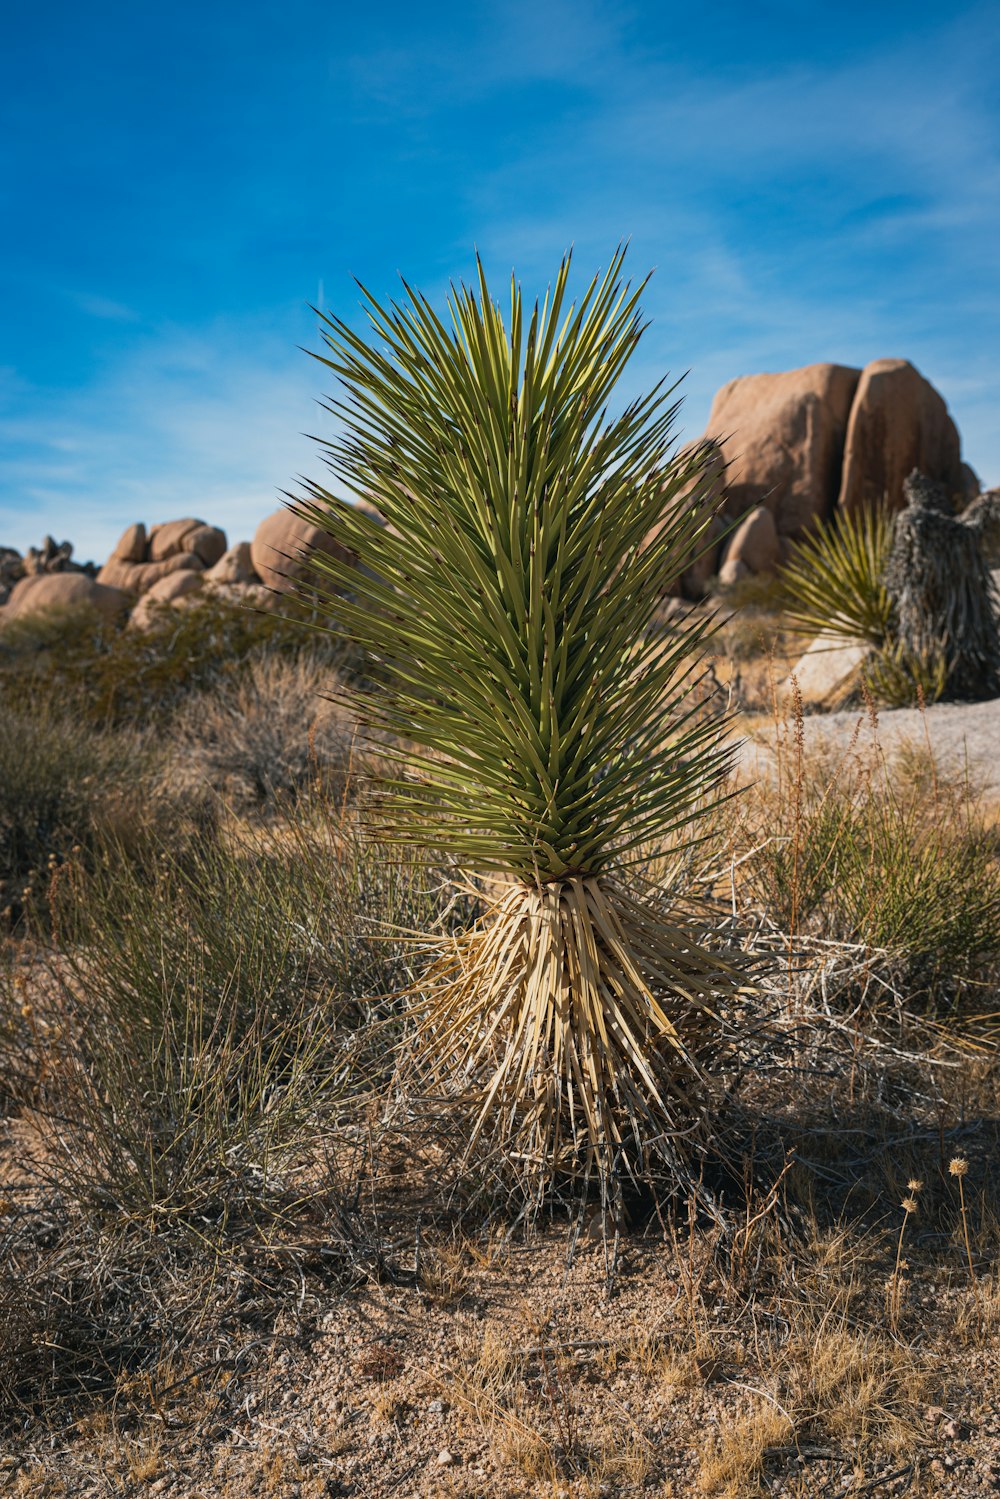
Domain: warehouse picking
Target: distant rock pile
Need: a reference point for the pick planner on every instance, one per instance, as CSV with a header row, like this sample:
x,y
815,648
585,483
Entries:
x,y
174,564
46,577
793,448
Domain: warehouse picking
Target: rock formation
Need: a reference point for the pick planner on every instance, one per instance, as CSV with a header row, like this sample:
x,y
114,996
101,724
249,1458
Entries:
x,y
50,559
801,444
784,440
62,590
139,561
898,423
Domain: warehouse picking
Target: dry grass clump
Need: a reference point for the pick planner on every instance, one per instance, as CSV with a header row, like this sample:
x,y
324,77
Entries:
x,y
188,1080
265,736
828,1388
64,790
206,1016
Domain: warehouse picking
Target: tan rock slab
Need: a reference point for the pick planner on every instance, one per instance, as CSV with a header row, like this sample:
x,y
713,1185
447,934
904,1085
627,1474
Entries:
x,y
828,671
131,545
50,591
783,437
898,423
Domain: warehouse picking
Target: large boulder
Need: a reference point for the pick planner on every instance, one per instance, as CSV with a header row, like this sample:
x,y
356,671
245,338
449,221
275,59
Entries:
x,y
166,539
42,592
207,543
898,423
784,438
282,545
131,544
140,577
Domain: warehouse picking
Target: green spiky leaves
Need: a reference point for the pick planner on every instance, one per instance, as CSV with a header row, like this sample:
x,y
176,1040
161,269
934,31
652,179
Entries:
x,y
535,720
832,582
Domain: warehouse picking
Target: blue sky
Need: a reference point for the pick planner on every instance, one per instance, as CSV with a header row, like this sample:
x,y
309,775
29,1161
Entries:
x,y
178,183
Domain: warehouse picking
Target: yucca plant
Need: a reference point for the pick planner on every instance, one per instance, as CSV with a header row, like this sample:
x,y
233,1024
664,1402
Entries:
x,y
539,729
832,582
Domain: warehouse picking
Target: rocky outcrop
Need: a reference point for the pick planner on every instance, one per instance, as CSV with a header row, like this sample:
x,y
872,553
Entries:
x,y
898,423
43,592
51,557
802,444
139,561
784,437
282,545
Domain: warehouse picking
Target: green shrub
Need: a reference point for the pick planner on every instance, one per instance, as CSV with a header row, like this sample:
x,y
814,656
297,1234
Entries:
x,y
63,789
832,582
207,1016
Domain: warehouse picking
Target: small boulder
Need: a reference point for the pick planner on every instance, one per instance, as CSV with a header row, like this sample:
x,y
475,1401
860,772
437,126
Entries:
x,y
898,423
206,542
45,591
165,540
234,566
732,571
829,671
281,546
140,577
172,589
131,545
755,542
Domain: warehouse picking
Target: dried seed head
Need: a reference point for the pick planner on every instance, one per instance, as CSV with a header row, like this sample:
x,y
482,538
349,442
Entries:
x,y
909,1204
915,1184
958,1166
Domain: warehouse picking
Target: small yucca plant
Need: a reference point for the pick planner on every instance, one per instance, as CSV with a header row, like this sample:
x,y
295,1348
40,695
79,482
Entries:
x,y
538,726
832,582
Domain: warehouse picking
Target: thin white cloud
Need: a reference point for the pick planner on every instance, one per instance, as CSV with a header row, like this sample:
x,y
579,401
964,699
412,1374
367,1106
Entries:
x,y
183,425
103,307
